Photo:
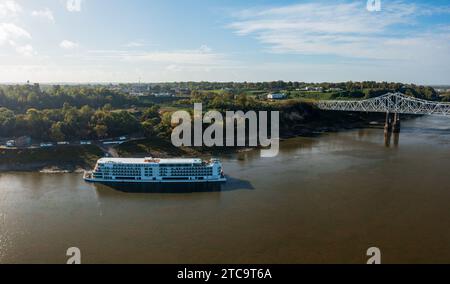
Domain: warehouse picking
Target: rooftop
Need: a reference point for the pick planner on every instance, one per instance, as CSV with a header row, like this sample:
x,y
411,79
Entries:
x,y
149,160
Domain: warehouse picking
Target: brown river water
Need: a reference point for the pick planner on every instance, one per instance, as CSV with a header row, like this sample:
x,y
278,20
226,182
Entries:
x,y
325,199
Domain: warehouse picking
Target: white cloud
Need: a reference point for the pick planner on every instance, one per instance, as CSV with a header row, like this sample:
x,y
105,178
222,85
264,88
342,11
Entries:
x,y
10,32
82,72
25,50
67,44
44,14
174,68
341,29
189,57
134,44
9,9
12,36
139,44
201,56
205,49
73,5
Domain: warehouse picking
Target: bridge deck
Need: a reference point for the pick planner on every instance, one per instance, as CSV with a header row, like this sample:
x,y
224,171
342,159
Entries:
x,y
392,103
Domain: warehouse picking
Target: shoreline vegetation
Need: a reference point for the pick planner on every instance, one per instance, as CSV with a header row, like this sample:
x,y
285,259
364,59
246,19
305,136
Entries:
x,y
49,160
73,159
51,113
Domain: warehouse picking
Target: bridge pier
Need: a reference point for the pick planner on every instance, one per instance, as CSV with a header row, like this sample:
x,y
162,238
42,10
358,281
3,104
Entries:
x,y
396,139
392,126
397,124
388,124
387,138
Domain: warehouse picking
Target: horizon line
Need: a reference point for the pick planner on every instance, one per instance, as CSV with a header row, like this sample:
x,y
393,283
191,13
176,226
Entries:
x,y
216,82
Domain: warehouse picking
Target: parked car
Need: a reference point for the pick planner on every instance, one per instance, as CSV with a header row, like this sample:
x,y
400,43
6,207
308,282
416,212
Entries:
x,y
10,143
123,138
63,143
85,142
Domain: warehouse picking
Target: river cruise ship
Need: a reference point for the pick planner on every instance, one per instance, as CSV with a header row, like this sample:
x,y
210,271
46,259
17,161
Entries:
x,y
154,171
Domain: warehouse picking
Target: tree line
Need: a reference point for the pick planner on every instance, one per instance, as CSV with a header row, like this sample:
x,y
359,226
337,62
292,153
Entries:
x,y
23,97
72,123
349,89
62,113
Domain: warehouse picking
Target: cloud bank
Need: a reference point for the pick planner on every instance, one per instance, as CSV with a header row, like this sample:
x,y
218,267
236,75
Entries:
x,y
345,29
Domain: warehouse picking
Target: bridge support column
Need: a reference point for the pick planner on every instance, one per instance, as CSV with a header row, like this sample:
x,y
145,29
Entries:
x,y
397,124
388,124
387,138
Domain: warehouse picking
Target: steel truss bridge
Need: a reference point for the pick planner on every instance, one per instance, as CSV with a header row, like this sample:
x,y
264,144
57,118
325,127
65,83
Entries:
x,y
389,103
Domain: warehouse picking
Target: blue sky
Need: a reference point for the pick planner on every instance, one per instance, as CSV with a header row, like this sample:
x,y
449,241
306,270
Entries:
x,y
223,40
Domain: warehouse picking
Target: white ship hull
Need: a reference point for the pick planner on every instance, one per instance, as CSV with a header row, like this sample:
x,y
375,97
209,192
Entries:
x,y
96,180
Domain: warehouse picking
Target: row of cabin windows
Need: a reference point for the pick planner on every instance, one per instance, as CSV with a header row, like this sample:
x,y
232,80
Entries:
x,y
126,173
150,166
122,166
192,171
147,172
126,167
187,175
190,168
138,167
153,166
119,169
180,165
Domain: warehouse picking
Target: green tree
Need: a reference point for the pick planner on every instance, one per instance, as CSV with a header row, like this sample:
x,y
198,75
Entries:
x,y
164,128
101,130
151,113
7,121
149,127
56,133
